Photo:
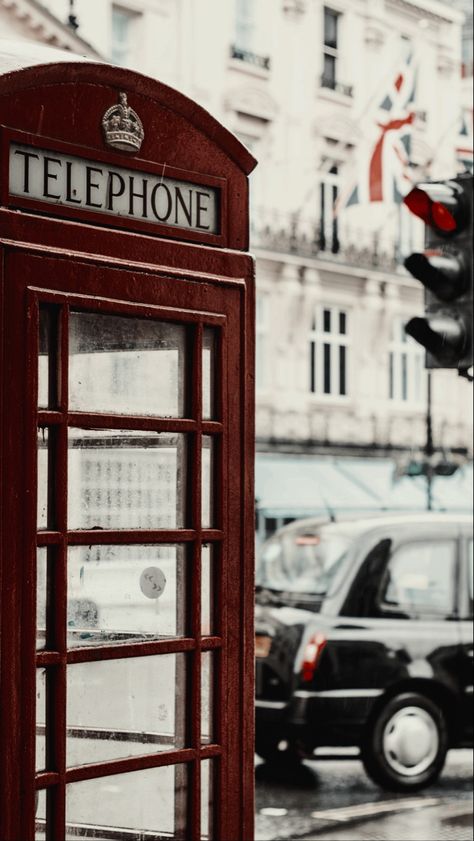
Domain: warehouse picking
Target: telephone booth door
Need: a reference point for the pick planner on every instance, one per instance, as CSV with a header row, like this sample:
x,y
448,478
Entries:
x,y
127,666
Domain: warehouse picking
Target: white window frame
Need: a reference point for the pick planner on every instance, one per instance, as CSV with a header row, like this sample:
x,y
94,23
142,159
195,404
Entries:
x,y
124,54
407,384
318,338
252,139
245,24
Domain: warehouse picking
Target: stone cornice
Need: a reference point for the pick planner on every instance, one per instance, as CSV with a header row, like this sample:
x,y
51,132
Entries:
x,y
46,28
435,12
253,101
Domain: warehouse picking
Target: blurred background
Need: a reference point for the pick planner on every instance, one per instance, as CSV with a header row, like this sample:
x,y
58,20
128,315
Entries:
x,y
345,106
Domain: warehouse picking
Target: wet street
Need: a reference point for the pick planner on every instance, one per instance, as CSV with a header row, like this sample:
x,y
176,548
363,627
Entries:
x,y
333,800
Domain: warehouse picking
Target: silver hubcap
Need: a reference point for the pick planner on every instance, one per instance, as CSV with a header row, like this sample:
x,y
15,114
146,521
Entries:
x,y
410,741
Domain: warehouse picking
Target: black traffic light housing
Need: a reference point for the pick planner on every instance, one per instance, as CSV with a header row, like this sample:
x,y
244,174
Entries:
x,y
445,270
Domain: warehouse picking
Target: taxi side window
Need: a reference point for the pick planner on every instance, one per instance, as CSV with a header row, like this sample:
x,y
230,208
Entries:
x,y
419,580
470,573
362,597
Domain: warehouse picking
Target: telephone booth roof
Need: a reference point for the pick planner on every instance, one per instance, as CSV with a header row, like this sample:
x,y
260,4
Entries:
x,y
26,64
61,107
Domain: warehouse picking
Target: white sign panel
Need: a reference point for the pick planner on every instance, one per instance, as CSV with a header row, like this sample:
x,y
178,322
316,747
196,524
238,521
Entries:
x,y
82,184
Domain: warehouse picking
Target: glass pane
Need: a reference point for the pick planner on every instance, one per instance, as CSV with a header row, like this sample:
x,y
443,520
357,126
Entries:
x,y
207,591
420,579
342,369
42,502
327,321
119,708
148,801
208,374
207,485
470,570
40,764
43,357
327,369
342,323
40,815
119,479
330,28
118,593
41,596
329,71
130,366
207,797
207,705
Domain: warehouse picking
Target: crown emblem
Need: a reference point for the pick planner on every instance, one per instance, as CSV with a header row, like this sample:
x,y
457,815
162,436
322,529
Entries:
x,y
122,126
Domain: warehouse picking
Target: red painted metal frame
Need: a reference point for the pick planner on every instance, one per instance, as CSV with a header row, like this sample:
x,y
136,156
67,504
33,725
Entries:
x,y
23,300
67,263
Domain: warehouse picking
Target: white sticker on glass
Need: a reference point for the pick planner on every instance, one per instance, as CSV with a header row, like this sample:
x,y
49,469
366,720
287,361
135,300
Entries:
x,y
152,582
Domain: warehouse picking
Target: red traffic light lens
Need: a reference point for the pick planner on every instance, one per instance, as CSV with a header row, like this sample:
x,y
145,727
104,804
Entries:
x,y
442,218
441,205
419,203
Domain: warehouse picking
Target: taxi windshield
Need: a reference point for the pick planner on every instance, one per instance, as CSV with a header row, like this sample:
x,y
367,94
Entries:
x,y
301,562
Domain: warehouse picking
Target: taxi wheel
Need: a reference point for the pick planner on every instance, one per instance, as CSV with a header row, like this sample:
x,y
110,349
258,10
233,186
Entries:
x,y
405,746
273,747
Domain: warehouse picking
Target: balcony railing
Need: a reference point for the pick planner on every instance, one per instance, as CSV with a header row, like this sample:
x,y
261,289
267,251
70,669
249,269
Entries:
x,y
333,85
308,238
262,62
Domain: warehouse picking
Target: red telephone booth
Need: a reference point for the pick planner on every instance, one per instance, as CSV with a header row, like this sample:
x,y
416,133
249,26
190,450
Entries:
x,y
127,310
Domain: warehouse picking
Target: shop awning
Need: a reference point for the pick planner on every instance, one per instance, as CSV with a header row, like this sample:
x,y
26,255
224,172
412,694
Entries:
x,y
305,485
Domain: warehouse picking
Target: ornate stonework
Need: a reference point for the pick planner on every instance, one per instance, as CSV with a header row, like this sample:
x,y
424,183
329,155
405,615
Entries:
x,y
40,25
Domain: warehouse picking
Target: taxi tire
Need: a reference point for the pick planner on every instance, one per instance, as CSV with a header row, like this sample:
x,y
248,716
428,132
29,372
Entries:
x,y
372,749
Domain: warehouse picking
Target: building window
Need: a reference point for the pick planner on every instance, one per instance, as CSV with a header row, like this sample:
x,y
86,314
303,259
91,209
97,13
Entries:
x,y
124,36
328,221
244,23
330,54
253,143
261,340
470,572
407,376
328,358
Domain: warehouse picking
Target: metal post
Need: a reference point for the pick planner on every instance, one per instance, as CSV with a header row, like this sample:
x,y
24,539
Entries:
x,y
429,449
72,20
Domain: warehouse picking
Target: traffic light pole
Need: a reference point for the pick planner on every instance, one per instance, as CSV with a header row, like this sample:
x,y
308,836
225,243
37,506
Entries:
x,y
429,449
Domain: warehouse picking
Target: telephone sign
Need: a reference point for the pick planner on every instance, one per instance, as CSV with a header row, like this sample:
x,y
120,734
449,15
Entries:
x,y
77,184
126,567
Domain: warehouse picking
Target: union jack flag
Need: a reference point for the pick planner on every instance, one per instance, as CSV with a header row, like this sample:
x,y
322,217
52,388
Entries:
x,y
383,158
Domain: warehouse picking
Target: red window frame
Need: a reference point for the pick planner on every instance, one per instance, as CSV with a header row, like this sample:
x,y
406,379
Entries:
x,y
223,303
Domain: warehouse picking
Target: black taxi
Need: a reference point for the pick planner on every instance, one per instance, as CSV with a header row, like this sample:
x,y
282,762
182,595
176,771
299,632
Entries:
x,y
364,638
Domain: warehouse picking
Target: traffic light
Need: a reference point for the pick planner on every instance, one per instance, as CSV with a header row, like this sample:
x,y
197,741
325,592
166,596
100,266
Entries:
x,y
445,270
436,466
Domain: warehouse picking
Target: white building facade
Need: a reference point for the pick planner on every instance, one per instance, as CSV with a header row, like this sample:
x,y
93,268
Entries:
x,y
311,86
